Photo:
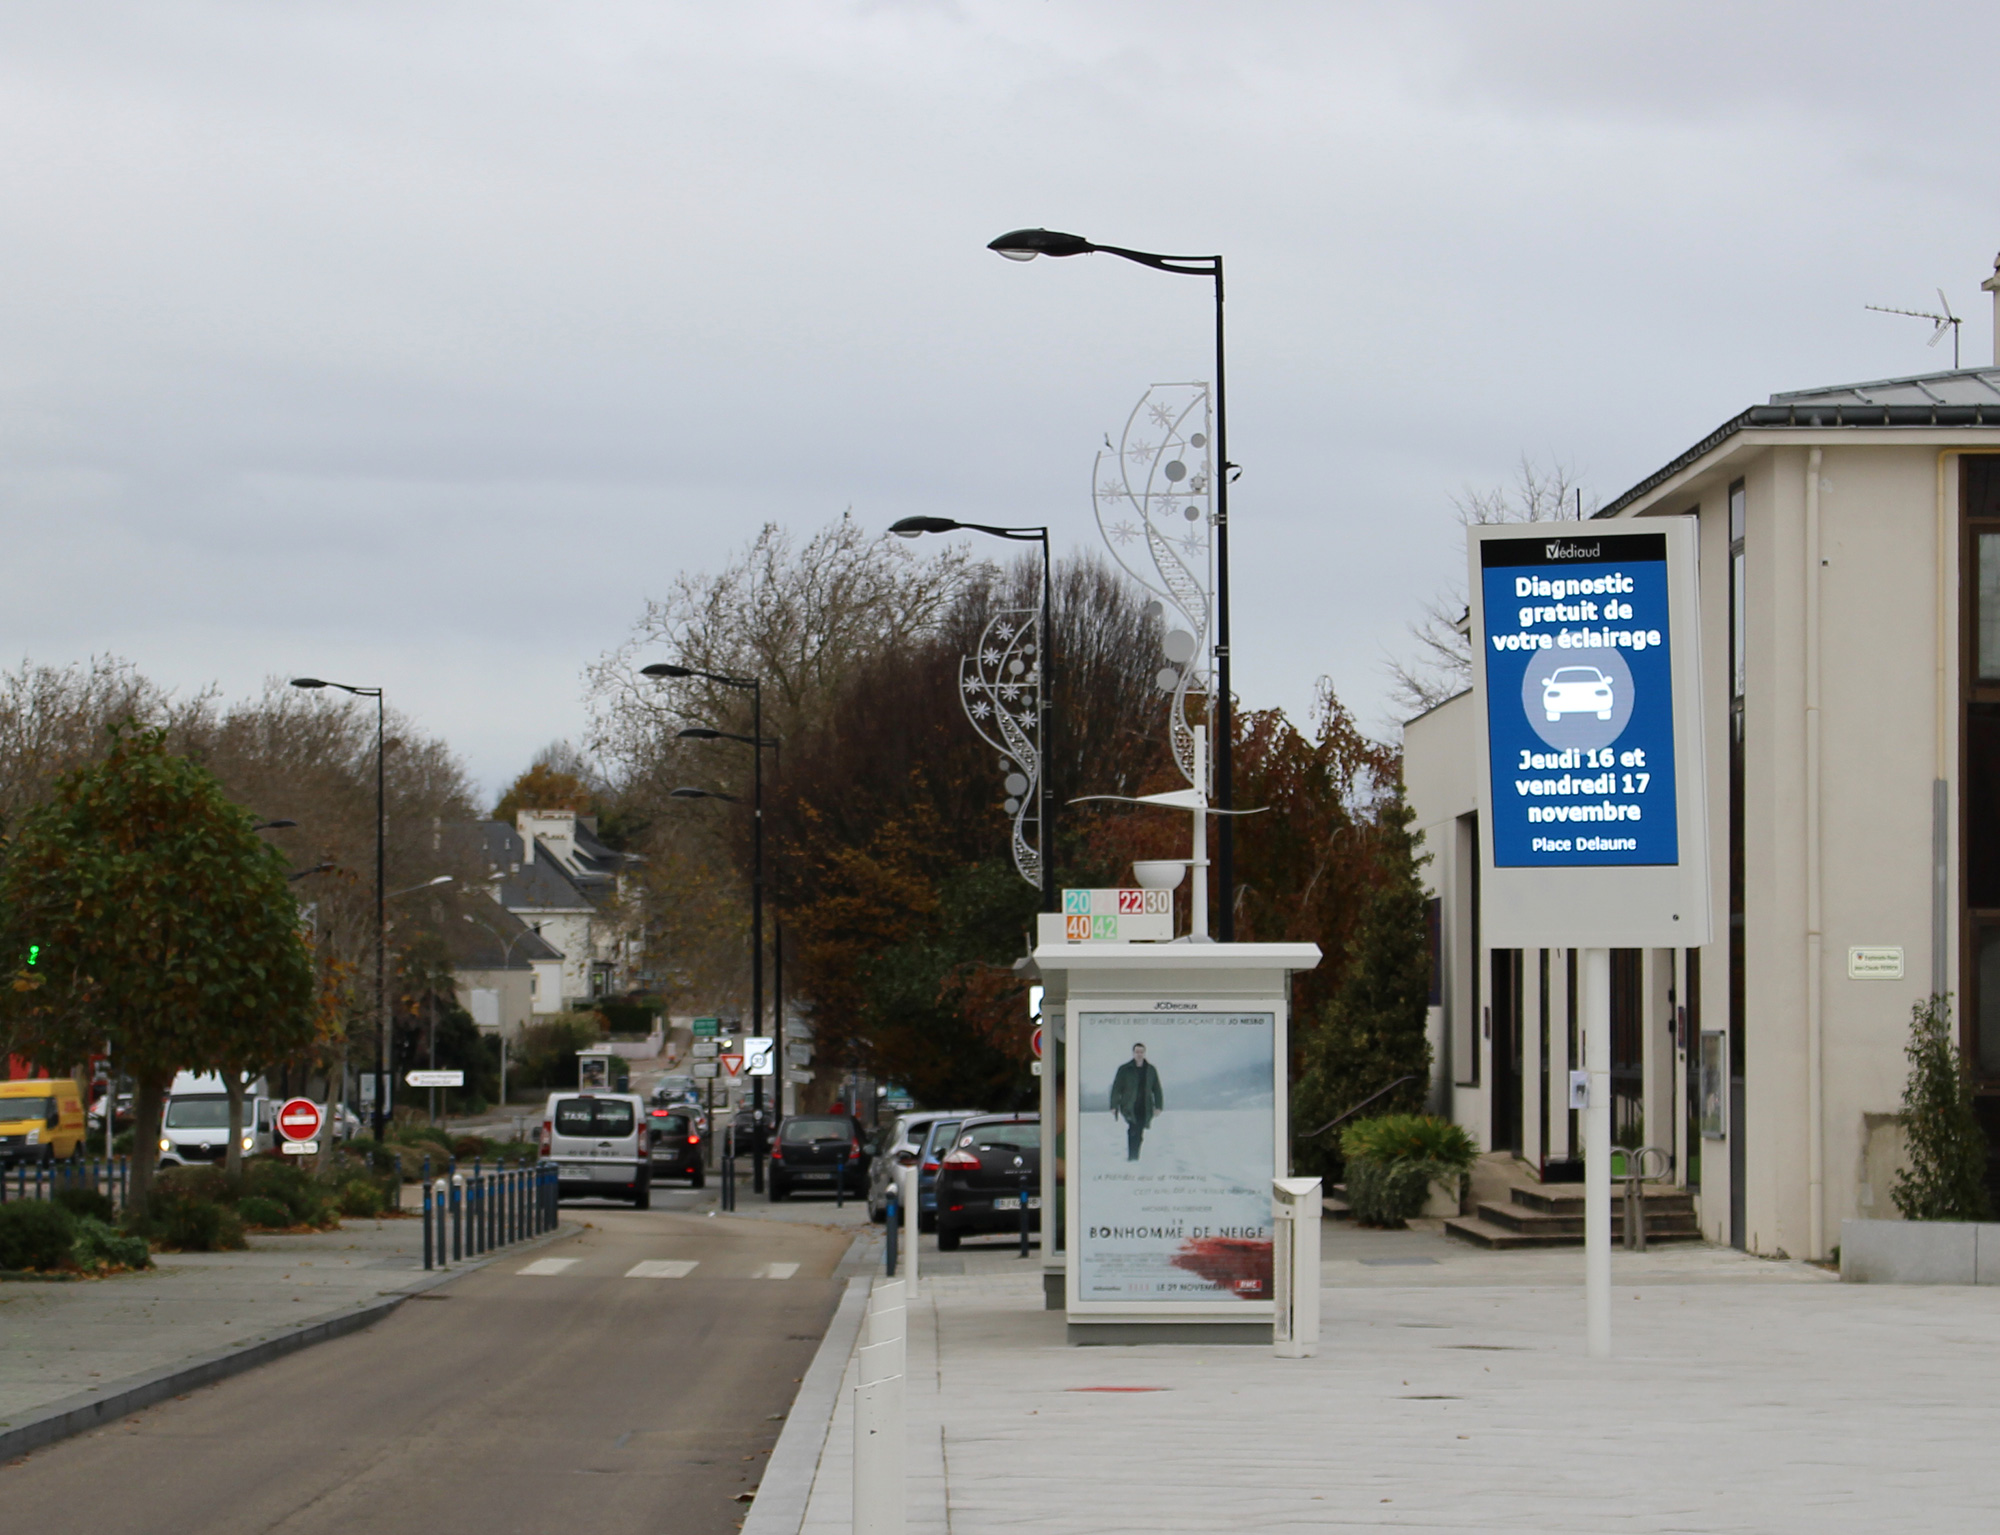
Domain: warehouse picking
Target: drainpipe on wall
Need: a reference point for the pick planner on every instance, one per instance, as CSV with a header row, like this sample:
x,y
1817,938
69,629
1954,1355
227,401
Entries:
x,y
1940,784
1815,937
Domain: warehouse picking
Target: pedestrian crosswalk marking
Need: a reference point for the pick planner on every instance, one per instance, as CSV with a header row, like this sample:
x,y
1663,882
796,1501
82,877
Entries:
x,y
774,1271
662,1268
549,1266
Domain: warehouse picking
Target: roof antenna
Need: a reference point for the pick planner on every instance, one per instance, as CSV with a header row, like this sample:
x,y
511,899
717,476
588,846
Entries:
x,y
1943,322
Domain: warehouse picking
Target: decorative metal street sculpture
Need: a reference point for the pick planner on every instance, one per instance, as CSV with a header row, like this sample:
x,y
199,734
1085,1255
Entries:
x,y
1000,686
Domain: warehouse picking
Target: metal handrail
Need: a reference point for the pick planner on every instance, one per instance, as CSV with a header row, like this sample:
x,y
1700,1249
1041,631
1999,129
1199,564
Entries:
x,y
1338,1118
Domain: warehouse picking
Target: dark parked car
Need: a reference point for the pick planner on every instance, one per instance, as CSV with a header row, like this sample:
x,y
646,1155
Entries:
x,y
815,1150
936,1142
676,1145
994,1162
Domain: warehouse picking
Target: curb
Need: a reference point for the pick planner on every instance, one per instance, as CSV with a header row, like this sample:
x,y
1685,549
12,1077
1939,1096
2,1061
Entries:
x,y
74,1415
786,1488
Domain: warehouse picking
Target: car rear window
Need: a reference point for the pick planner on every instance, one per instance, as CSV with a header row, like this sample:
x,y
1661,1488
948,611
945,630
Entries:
x,y
604,1117
26,1108
802,1129
1017,1135
941,1133
670,1124
198,1113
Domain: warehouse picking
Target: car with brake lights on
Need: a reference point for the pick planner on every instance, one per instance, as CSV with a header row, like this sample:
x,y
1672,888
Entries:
x,y
677,1145
818,1151
995,1162
601,1144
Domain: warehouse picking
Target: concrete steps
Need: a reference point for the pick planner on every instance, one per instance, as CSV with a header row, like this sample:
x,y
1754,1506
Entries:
x,y
1552,1216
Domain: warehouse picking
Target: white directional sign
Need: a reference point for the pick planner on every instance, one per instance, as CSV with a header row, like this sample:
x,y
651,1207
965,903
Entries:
x,y
706,1049
435,1078
705,1069
760,1056
797,1075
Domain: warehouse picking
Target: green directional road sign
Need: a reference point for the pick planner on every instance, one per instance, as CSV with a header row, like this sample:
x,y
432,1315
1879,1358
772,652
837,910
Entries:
x,y
707,1027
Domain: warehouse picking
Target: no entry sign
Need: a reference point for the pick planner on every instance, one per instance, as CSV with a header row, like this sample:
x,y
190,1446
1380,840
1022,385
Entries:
x,y
299,1119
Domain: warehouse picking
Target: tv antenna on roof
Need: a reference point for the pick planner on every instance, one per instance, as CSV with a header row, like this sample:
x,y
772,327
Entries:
x,y
1943,322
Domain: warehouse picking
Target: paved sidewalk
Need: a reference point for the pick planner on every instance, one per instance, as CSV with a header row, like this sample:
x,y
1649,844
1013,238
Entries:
x,y
1455,1395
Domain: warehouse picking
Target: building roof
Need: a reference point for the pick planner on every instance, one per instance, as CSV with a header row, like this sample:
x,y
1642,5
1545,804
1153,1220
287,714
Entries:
x,y
496,939
1957,397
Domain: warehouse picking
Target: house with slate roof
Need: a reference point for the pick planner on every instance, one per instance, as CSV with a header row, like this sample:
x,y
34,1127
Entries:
x,y
1849,572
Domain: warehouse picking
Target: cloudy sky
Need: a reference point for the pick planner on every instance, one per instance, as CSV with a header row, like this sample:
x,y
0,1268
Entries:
x,y
417,345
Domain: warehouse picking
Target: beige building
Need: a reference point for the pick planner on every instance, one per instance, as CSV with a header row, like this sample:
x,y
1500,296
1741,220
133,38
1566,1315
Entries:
x,y
1850,676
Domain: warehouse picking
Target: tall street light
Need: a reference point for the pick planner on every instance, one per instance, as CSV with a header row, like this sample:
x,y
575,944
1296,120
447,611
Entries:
x,y
1026,245
663,670
381,896
916,527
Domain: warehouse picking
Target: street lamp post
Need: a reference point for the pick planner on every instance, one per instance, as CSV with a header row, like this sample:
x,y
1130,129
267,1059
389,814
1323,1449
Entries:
x,y
381,895
1025,245
916,527
755,687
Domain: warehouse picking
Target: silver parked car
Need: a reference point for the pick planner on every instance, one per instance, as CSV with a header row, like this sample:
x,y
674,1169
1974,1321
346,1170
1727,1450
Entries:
x,y
899,1148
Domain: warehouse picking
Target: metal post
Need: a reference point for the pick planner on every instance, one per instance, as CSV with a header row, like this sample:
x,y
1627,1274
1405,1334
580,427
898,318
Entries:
x,y
912,1217
1224,708
440,1197
427,1215
381,924
879,1433
891,1222
1597,1150
457,1217
1024,1213
757,924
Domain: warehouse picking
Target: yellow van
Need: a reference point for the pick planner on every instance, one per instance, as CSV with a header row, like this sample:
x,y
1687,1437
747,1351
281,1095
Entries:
x,y
40,1120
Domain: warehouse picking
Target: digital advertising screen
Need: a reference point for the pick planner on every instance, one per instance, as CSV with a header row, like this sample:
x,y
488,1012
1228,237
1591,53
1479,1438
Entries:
x,y
1579,671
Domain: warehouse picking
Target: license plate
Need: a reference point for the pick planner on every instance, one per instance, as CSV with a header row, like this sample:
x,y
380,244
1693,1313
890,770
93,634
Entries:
x,y
803,1176
572,1170
1013,1202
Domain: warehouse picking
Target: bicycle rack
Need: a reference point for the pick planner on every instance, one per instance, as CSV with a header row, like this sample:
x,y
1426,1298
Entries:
x,y
1635,1178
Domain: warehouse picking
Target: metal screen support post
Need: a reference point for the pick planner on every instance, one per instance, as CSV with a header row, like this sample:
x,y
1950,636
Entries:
x,y
1295,1231
1597,1150
912,1222
879,1424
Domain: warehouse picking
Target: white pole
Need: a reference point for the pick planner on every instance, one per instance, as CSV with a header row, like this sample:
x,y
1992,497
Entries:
x,y
1596,981
879,1432
1198,891
911,1223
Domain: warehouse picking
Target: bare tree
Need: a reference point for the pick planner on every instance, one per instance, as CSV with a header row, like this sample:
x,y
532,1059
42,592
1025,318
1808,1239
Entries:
x,y
1440,663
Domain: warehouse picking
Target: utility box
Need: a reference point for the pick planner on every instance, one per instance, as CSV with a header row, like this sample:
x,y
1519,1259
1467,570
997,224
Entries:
x,y
1295,1216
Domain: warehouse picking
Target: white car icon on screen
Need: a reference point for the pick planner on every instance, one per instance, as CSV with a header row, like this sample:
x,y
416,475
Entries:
x,y
1576,690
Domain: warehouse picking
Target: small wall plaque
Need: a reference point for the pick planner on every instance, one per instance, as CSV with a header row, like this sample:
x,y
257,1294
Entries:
x,y
1877,964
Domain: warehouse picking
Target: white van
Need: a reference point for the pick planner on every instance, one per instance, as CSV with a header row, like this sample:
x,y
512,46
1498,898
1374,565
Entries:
x,y
195,1127
602,1145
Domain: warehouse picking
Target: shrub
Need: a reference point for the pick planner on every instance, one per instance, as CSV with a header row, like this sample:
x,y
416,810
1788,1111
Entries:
x,y
1946,1178
545,1052
35,1234
426,1135
307,1200
260,1210
361,1197
179,1218
100,1246
94,1203
1393,1160
472,1146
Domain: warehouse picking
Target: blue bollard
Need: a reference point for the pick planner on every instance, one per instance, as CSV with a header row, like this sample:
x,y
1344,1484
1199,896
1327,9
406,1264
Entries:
x,y
427,1215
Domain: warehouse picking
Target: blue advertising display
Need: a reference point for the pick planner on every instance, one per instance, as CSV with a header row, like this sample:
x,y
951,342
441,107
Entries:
x,y
1579,700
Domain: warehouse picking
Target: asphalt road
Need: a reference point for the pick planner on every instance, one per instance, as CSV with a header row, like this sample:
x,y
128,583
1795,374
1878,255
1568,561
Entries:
x,y
571,1399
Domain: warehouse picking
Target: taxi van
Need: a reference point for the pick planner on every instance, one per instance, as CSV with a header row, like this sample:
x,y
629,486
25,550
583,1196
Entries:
x,y
40,1120
602,1145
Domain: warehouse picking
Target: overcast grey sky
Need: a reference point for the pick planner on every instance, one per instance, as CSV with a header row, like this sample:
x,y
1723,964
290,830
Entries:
x,y
416,345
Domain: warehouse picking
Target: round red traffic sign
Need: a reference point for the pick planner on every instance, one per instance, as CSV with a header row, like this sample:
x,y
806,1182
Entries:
x,y
298,1119
1036,1041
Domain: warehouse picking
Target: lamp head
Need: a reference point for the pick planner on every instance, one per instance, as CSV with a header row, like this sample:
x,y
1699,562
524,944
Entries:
x,y
307,682
700,733
272,825
1027,244
664,669
916,527
688,794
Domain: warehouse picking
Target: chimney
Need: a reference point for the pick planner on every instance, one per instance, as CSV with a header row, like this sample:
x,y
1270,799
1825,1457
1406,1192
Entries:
x,y
1992,286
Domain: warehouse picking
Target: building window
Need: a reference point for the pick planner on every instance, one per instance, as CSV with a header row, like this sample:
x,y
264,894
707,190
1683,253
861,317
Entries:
x,y
1979,773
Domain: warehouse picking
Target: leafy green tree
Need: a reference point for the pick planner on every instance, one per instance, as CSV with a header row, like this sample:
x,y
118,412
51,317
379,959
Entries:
x,y
1946,1178
159,922
1372,1032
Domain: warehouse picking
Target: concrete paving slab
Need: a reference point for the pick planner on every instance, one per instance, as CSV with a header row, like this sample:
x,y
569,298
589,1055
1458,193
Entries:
x,y
1455,1396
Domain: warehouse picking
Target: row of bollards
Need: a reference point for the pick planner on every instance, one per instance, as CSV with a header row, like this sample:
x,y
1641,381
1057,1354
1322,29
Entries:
x,y
110,1176
880,1427
466,1217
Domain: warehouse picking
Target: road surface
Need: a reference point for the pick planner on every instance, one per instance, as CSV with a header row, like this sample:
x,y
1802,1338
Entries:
x,y
632,1378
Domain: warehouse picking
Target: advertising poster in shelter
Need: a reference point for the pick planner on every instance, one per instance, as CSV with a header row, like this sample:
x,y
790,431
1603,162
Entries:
x,y
1174,1156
